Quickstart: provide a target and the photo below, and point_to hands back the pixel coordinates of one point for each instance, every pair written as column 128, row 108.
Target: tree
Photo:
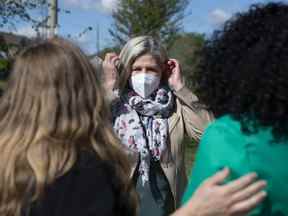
column 10, row 10
column 186, row 48
column 159, row 18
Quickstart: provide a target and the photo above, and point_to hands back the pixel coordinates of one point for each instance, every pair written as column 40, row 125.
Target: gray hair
column 133, row 49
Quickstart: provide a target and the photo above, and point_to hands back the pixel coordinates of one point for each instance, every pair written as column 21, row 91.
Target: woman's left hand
column 175, row 78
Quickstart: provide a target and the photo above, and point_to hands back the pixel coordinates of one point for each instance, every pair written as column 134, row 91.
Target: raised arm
column 195, row 115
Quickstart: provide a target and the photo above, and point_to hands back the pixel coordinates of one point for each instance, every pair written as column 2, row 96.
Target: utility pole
column 53, row 18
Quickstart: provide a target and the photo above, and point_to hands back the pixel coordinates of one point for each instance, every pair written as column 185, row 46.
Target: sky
column 202, row 16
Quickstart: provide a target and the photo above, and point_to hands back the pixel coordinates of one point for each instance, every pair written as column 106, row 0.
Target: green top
column 224, row 145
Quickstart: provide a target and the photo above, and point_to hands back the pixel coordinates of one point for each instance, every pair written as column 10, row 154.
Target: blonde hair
column 53, row 107
column 133, row 49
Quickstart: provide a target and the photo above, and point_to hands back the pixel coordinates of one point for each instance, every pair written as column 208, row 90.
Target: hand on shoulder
column 236, row 198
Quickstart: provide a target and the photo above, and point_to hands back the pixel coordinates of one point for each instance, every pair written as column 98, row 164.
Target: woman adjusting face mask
column 151, row 133
column 146, row 75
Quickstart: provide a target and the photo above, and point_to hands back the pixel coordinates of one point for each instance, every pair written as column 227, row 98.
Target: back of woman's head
column 244, row 69
column 52, row 108
column 135, row 48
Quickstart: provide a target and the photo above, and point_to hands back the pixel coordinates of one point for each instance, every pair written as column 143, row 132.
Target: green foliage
column 4, row 72
column 159, row 18
column 5, row 49
column 186, row 49
column 4, row 64
column 4, row 69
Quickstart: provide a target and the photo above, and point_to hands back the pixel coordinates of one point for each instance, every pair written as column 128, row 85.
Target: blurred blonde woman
column 152, row 114
column 59, row 155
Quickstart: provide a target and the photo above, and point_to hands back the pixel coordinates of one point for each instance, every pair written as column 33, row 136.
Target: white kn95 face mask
column 144, row 84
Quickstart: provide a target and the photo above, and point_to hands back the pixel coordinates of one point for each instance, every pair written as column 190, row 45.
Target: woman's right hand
column 110, row 74
column 237, row 198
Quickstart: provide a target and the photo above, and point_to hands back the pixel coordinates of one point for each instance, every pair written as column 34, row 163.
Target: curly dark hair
column 243, row 70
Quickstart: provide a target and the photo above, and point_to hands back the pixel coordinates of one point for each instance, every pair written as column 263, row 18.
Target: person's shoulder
column 87, row 169
column 221, row 133
column 102, row 177
column 225, row 124
column 87, row 186
column 87, row 159
column 89, row 164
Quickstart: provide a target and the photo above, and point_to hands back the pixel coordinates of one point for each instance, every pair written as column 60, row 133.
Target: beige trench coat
column 189, row 119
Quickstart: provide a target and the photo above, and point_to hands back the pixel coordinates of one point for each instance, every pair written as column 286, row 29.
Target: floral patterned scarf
column 142, row 125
